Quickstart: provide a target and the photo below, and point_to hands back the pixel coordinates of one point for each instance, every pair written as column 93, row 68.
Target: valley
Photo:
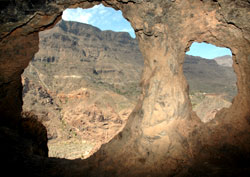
column 84, row 83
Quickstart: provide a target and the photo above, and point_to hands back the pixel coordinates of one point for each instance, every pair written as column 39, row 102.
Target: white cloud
column 66, row 15
column 105, row 18
column 85, row 18
column 126, row 30
column 77, row 15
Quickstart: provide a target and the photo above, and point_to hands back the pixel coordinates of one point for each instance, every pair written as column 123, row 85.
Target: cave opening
column 162, row 137
column 84, row 81
column 211, row 78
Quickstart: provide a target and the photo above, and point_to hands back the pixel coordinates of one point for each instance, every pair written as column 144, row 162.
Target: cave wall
column 163, row 135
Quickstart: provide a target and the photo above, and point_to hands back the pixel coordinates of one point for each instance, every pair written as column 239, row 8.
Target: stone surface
column 158, row 139
column 83, row 84
column 209, row 106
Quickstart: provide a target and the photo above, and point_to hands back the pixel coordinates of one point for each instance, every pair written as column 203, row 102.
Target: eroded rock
column 158, row 139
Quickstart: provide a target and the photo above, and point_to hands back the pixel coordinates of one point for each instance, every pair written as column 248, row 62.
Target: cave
column 83, row 82
column 163, row 136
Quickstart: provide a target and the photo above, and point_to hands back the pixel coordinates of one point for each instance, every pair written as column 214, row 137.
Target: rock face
column 90, row 57
column 162, row 136
column 209, row 106
column 83, row 84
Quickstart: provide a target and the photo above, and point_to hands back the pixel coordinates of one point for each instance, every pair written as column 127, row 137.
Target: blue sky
column 208, row 51
column 107, row 18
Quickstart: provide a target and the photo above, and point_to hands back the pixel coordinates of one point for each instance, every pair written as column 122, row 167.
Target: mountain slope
column 224, row 60
column 83, row 83
column 88, row 56
column 207, row 76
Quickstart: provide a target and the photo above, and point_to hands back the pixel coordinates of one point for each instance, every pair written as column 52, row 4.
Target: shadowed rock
column 164, row 30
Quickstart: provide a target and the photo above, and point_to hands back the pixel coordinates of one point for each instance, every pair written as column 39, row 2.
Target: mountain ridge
column 86, row 82
column 225, row 60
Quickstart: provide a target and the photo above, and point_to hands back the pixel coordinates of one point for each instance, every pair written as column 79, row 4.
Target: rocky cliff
column 83, row 84
column 162, row 136
column 85, row 81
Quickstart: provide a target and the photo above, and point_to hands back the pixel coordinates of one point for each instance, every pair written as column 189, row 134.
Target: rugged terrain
column 162, row 136
column 86, row 81
column 83, row 84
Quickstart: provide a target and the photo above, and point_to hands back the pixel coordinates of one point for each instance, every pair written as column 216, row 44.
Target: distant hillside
column 224, row 60
column 94, row 58
column 83, row 83
column 205, row 75
column 82, row 54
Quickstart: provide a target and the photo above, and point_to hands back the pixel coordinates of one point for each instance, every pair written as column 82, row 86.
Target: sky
column 107, row 18
column 207, row 51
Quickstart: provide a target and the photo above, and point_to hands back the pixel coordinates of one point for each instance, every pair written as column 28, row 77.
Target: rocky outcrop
column 83, row 80
column 162, row 137
column 209, row 106
column 75, row 55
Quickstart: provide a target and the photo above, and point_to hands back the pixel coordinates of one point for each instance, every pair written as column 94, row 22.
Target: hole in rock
column 84, row 81
column 211, row 78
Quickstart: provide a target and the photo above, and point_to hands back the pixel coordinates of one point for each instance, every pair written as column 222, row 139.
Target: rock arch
column 162, row 137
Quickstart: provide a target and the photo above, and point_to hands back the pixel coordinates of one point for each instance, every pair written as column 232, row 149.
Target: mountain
column 83, row 84
column 208, row 76
column 224, row 60
column 89, row 57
